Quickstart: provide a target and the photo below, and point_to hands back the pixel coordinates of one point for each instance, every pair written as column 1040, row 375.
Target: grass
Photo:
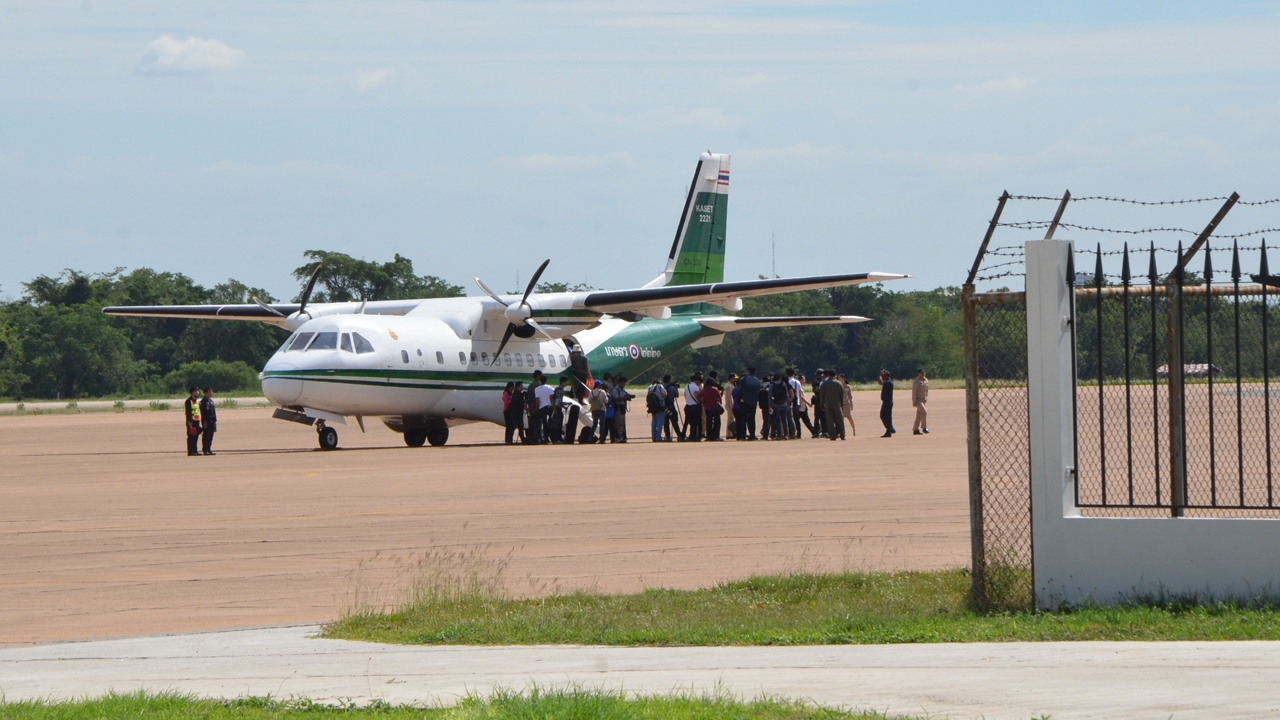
column 501, row 705
column 799, row 609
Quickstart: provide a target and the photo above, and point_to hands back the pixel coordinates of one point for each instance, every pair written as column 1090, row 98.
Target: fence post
column 1177, row 401
column 978, row 562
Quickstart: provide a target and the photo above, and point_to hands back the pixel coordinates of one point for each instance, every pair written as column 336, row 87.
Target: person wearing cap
column 208, row 421
column 919, row 396
column 581, row 372
column 831, row 392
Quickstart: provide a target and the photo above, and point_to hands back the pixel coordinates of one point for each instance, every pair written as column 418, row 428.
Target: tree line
column 56, row 343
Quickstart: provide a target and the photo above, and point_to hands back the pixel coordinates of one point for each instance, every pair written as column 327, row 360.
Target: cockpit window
column 362, row 345
column 300, row 341
column 324, row 341
column 345, row 344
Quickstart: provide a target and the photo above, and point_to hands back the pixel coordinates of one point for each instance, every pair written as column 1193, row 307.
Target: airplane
column 422, row 366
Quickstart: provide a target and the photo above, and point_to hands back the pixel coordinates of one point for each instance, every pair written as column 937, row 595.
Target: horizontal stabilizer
column 727, row 323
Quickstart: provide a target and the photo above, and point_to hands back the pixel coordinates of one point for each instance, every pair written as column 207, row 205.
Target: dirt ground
column 109, row 529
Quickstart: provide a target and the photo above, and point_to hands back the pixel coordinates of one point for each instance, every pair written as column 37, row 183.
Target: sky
column 223, row 138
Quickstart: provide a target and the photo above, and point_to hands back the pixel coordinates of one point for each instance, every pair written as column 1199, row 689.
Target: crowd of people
column 785, row 404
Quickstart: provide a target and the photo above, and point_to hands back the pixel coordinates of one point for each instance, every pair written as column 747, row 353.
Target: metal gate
column 1174, row 411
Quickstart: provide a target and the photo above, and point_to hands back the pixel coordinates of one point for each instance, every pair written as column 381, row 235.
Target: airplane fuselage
column 418, row 365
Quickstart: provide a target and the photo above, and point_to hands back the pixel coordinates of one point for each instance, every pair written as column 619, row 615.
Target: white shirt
column 797, row 388
column 544, row 393
column 689, row 393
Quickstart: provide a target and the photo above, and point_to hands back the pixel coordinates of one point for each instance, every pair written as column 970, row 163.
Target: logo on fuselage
column 632, row 351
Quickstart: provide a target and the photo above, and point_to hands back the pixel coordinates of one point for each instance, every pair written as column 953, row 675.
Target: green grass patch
column 501, row 705
column 800, row 609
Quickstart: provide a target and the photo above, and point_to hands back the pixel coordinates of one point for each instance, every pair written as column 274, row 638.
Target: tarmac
column 1017, row 681
column 110, row 530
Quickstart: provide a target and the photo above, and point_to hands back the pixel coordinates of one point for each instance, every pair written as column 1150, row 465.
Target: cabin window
column 474, row 359
column 345, row 345
column 484, row 358
column 551, row 360
column 362, row 346
column 404, row 355
column 419, row 352
column 528, row 357
column 439, row 358
column 519, row 362
column 506, row 357
column 563, row 362
column 542, row 362
column 324, row 341
column 462, row 357
column 300, row 341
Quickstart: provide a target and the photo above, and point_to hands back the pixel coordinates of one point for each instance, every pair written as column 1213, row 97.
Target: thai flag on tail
column 724, row 178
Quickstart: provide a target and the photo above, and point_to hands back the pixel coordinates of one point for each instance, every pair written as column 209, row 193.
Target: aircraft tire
column 438, row 436
column 415, row 437
column 328, row 438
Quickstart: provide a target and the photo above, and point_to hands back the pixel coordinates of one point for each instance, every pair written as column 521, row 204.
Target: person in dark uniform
column 208, row 420
column 581, row 372
column 192, row 409
column 886, row 403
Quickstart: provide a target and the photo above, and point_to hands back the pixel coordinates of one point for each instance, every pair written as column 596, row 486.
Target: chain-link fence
column 999, row 449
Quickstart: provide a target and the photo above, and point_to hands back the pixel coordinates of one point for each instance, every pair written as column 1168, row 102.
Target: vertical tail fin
column 697, row 253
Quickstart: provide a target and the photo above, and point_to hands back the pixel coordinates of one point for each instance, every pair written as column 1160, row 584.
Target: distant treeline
column 55, row 341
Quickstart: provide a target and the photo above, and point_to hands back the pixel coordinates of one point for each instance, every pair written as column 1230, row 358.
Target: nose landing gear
column 328, row 436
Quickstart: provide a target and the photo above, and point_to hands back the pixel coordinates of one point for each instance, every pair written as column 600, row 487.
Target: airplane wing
column 621, row 301
column 729, row 323
column 206, row 312
column 281, row 314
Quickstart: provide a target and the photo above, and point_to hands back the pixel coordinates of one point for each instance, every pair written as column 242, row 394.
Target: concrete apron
column 990, row 680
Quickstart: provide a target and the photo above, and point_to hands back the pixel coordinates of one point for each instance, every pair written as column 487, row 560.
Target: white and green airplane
column 425, row 365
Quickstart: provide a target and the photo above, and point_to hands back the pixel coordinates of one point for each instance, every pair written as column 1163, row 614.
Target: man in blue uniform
column 208, row 420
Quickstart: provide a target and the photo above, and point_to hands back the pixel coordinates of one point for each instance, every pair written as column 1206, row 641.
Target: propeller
column 311, row 285
column 306, row 295
column 519, row 315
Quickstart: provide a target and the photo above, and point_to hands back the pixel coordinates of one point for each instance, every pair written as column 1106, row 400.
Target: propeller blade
column 534, row 324
column 267, row 307
column 534, row 280
column 511, row 330
column 311, row 285
column 490, row 293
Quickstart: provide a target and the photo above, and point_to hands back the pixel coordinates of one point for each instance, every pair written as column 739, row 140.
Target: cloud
column 374, row 79
column 167, row 55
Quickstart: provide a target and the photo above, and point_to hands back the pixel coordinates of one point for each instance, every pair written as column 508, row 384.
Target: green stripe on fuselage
column 654, row 340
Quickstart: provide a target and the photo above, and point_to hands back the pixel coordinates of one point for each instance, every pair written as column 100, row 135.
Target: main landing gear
column 416, row 437
column 328, row 436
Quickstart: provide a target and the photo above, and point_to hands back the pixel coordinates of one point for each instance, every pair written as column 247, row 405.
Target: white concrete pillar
column 1050, row 385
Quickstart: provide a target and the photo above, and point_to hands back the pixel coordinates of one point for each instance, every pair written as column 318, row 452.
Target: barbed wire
column 997, row 276
column 1128, row 201
column 1042, row 224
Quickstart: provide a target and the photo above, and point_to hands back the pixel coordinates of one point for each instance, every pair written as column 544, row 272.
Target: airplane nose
column 279, row 385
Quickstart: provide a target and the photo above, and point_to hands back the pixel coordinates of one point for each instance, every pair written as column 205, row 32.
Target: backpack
column 653, row 401
column 778, row 393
